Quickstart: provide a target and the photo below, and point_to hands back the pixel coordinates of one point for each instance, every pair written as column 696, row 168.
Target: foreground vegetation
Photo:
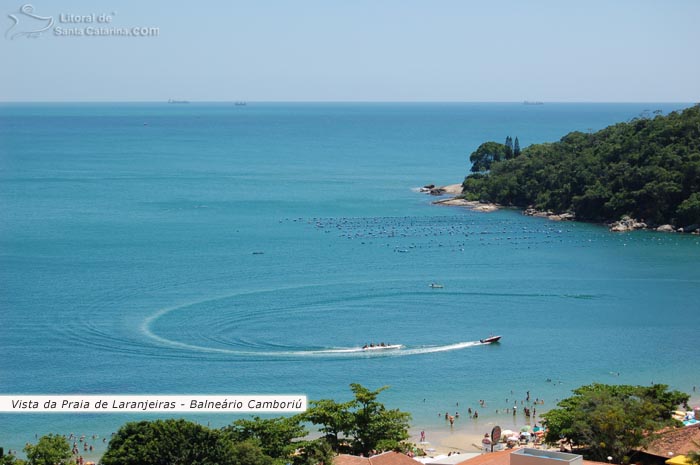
column 613, row 420
column 599, row 421
column 648, row 168
column 361, row 426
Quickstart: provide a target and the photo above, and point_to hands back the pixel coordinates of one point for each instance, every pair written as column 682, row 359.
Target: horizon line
column 353, row 101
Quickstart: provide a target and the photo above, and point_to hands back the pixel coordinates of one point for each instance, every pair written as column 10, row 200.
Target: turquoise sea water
column 213, row 248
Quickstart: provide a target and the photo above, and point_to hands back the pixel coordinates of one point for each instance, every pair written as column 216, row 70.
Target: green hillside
column 647, row 168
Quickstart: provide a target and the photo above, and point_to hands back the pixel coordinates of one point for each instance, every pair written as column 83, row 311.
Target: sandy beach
column 465, row 434
column 445, row 441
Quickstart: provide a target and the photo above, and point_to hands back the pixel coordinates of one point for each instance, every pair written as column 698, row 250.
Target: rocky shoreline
column 457, row 201
column 627, row 223
column 470, row 204
column 624, row 224
column 549, row 215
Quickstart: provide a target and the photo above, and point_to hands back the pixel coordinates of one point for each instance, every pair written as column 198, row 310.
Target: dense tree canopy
column 648, row 168
column 276, row 436
column 164, row 442
column 10, row 459
column 360, row 425
column 487, row 154
column 335, row 419
column 49, row 450
column 282, row 439
column 612, row 420
column 316, row 452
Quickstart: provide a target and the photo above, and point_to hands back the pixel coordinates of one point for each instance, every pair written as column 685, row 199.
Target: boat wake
column 224, row 328
column 350, row 352
column 403, row 350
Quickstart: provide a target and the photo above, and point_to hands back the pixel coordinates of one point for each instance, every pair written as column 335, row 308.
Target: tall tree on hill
column 516, row 148
column 509, row 148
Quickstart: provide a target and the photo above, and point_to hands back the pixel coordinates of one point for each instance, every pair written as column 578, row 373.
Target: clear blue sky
column 358, row 50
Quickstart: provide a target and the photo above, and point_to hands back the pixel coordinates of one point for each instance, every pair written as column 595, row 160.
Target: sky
column 352, row 50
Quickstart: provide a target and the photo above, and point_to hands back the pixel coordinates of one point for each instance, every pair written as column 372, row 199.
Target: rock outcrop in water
column 666, row 228
column 568, row 216
column 625, row 224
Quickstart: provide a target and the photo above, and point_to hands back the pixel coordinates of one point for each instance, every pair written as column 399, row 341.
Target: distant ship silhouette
column 26, row 23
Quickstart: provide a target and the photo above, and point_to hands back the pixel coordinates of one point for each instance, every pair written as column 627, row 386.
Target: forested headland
column 647, row 168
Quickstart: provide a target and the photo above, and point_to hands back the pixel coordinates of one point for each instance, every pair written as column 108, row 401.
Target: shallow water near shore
column 213, row 248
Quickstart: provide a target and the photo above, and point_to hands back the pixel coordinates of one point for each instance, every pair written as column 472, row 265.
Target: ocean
column 154, row 248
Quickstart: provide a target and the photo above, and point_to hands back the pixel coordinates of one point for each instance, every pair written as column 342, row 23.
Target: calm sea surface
column 213, row 248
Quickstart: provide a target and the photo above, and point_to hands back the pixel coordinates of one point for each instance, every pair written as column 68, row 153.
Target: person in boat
column 364, row 346
column 383, row 345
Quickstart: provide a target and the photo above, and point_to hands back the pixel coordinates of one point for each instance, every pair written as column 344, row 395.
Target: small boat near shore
column 490, row 339
column 381, row 346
